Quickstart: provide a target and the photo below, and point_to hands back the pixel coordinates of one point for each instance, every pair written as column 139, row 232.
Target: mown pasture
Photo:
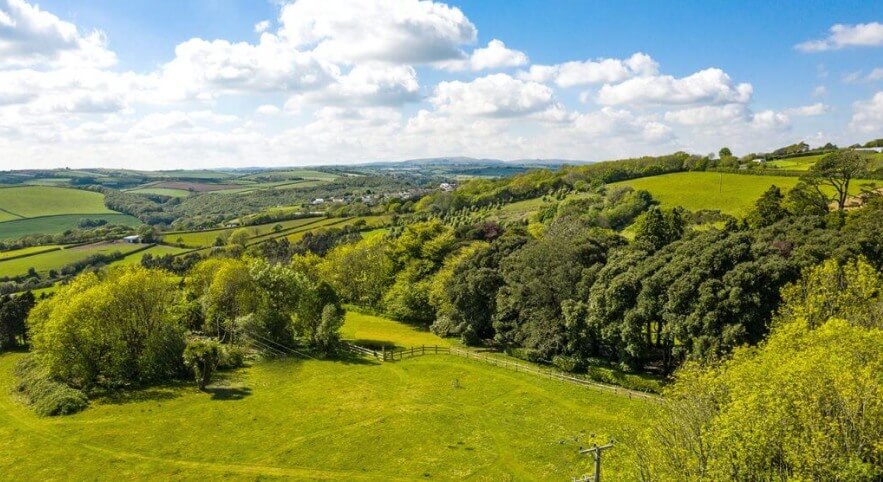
column 29, row 251
column 34, row 201
column 58, row 259
column 733, row 194
column 58, row 224
column 433, row 417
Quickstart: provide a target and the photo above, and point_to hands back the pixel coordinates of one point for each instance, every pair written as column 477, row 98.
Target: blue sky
column 204, row 83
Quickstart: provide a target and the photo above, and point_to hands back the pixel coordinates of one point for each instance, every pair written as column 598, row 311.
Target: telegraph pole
column 596, row 451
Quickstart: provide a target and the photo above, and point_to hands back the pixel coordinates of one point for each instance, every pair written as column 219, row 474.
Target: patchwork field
column 29, row 251
column 207, row 238
column 431, row 417
column 57, row 259
column 733, row 194
column 28, row 210
column 34, row 201
column 58, row 224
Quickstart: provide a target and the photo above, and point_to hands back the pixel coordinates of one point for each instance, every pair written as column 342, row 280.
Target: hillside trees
column 806, row 404
column 539, row 278
column 13, row 313
column 837, row 170
column 118, row 327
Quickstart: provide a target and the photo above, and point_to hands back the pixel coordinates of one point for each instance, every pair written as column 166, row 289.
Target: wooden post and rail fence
column 392, row 355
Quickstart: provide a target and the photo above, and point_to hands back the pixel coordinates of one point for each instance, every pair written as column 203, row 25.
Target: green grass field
column 328, row 420
column 158, row 250
column 160, row 191
column 57, row 224
column 730, row 193
column 34, row 201
column 29, row 251
column 59, row 258
column 308, row 174
column 796, row 163
column 361, row 328
column 207, row 238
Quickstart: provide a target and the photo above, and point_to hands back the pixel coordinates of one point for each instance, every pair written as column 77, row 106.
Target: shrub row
column 47, row 396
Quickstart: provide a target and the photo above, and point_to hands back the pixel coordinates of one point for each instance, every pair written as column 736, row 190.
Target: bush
column 232, row 356
column 45, row 395
column 526, row 354
column 570, row 364
column 641, row 383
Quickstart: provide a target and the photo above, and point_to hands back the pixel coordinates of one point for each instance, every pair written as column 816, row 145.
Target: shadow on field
column 228, row 393
column 375, row 344
column 149, row 394
column 348, row 358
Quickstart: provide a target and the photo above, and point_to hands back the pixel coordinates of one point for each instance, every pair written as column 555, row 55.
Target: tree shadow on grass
column 349, row 358
column 169, row 391
column 228, row 393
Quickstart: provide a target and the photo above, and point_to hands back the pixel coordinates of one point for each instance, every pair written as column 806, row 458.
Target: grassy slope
column 207, row 238
column 730, row 193
column 160, row 191
column 58, row 259
column 32, row 250
column 327, row 420
column 57, row 224
column 33, row 201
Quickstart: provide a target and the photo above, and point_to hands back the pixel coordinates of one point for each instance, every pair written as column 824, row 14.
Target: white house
column 133, row 239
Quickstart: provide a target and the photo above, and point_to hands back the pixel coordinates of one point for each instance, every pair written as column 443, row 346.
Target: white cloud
column 820, row 91
column 495, row 56
column 809, row 110
column 570, row 74
column 770, row 120
column 398, row 31
column 497, row 95
column 711, row 86
column 859, row 76
column 867, row 116
column 708, row 115
column 267, row 110
column 202, row 69
column 262, row 26
column 29, row 36
column 841, row 36
column 620, row 123
column 365, row 85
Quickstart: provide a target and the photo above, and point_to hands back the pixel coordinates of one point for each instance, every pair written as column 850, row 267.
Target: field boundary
column 34, row 253
column 385, row 355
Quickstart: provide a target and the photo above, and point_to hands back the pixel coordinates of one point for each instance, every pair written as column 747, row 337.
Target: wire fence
column 385, row 355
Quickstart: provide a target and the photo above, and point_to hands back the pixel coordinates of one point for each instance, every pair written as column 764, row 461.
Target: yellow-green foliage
column 852, row 291
column 359, row 272
column 119, row 326
column 807, row 404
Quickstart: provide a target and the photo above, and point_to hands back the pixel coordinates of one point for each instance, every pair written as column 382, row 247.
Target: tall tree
column 837, row 170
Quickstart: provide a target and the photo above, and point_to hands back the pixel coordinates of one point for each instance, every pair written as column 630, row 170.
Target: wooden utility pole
column 596, row 451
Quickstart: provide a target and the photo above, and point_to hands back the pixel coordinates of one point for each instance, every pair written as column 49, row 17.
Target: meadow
column 733, row 194
column 207, row 237
column 57, row 259
column 34, row 201
column 432, row 417
column 29, row 251
column 58, row 224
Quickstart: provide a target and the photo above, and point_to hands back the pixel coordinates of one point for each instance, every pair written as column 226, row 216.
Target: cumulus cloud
column 29, row 36
column 365, row 85
column 495, row 56
column 497, row 95
column 570, row 74
column 397, row 31
column 842, row 36
column 867, row 116
column 262, row 26
column 708, row 114
column 809, row 110
column 203, row 68
column 711, row 86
